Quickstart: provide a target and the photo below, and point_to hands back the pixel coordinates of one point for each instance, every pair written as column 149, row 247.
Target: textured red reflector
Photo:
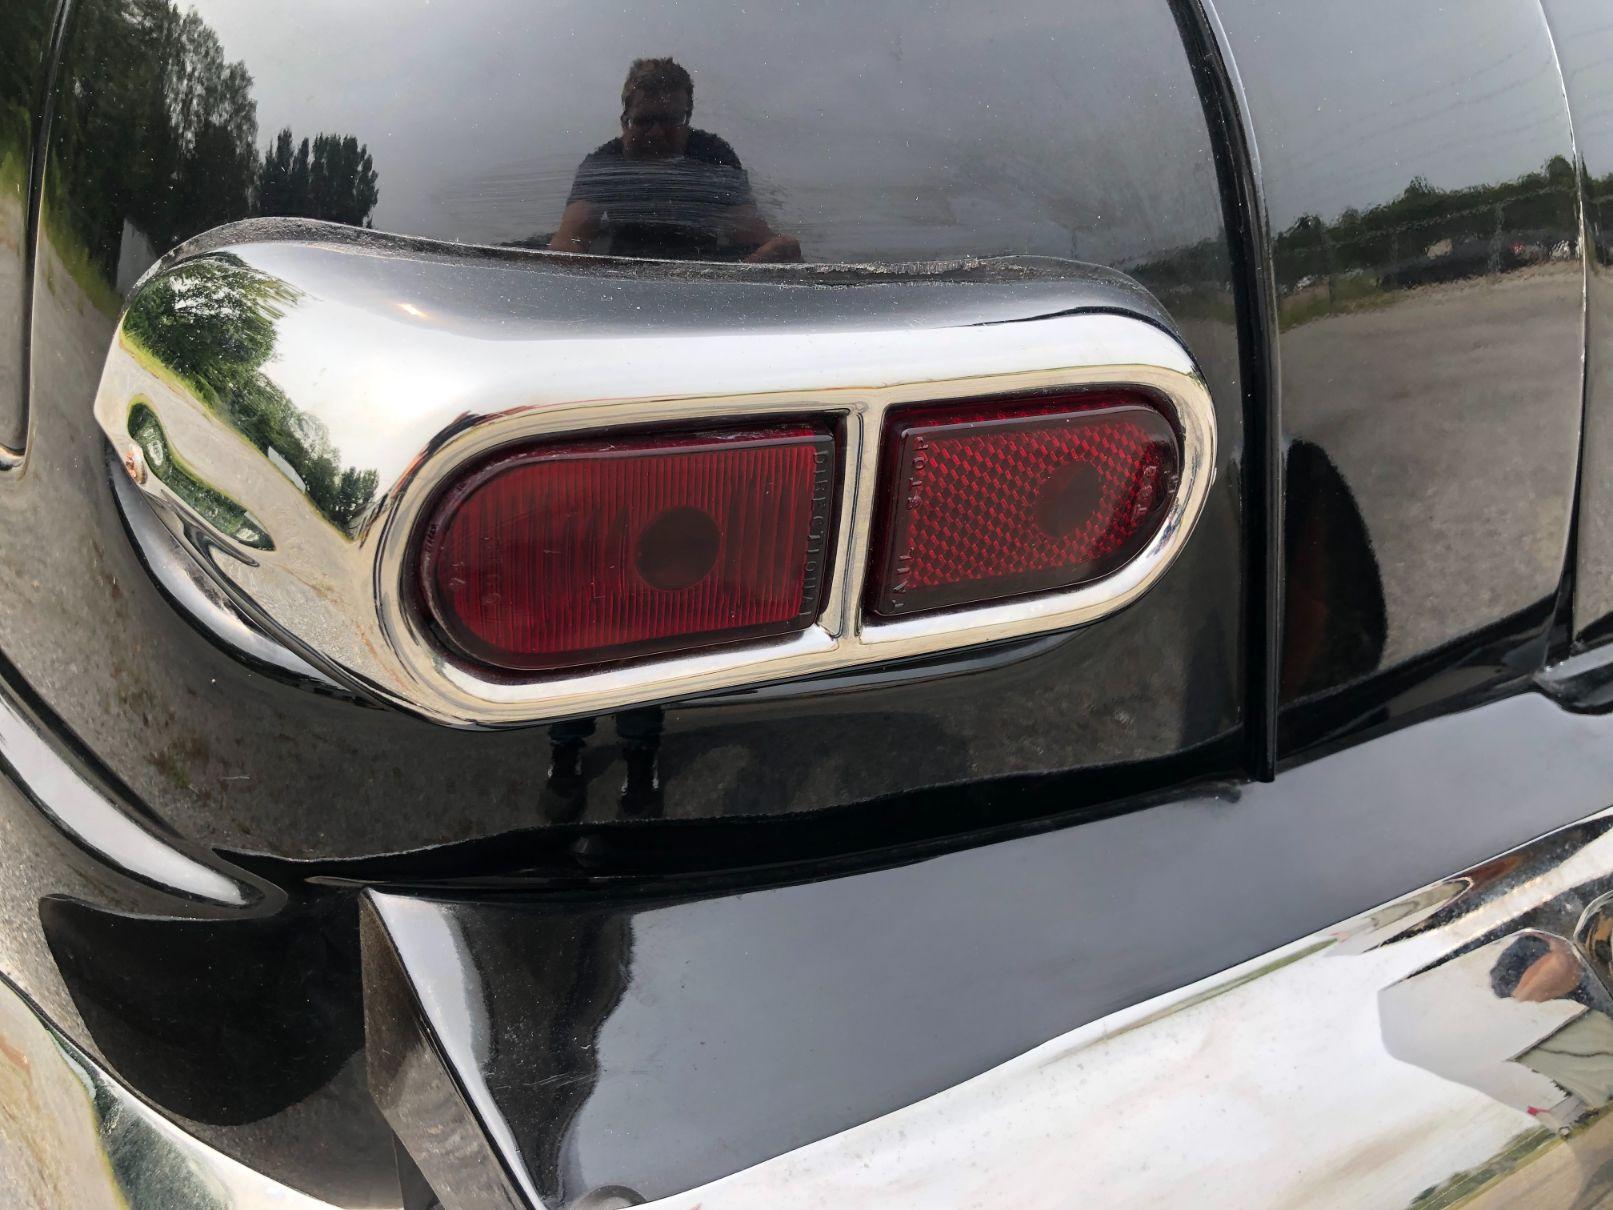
column 560, row 555
column 990, row 500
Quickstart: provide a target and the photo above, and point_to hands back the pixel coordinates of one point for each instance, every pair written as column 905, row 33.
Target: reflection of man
column 1578, row 1056
column 664, row 189
column 566, row 791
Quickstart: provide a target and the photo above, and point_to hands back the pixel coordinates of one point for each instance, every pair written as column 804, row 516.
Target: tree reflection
column 1422, row 236
column 160, row 142
column 333, row 179
column 21, row 51
column 212, row 325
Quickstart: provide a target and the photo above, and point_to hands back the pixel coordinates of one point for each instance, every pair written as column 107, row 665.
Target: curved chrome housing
column 368, row 370
column 195, row 593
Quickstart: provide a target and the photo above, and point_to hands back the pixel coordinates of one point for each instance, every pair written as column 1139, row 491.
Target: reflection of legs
column 640, row 733
column 565, row 793
column 1578, row 1058
column 571, row 731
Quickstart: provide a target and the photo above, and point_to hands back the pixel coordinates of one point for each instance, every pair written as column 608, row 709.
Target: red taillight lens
column 560, row 555
column 994, row 499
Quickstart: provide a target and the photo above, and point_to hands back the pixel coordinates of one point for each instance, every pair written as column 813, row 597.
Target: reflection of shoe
column 565, row 791
column 641, row 790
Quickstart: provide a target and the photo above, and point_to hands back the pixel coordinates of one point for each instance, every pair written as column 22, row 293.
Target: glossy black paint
column 1417, row 166
column 1226, row 109
column 25, row 60
column 669, row 1041
column 238, row 1019
column 189, row 969
column 244, row 762
column 810, row 938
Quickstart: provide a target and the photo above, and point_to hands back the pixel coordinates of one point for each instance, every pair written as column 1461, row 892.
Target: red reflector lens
column 559, row 555
column 990, row 500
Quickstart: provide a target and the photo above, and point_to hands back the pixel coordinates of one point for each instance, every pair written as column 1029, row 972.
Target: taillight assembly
column 567, row 554
column 995, row 499
column 571, row 553
column 803, row 477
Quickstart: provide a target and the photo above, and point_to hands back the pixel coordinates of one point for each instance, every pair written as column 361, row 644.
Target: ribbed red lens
column 994, row 499
column 560, row 555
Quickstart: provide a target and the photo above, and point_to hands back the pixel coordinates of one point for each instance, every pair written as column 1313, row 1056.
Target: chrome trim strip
column 1455, row 1044
column 194, row 591
column 395, row 364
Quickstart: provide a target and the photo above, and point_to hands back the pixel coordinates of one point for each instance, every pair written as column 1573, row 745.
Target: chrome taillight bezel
column 491, row 351
column 844, row 635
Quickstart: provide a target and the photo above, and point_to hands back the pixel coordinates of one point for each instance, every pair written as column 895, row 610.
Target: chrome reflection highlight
column 152, row 455
column 321, row 384
column 194, row 592
column 98, row 819
column 1456, row 1044
column 71, row 1135
column 1522, row 1019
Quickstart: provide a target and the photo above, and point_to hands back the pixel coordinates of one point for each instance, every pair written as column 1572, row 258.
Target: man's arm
column 749, row 227
column 579, row 224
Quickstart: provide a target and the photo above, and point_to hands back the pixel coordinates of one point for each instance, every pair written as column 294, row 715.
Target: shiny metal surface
column 72, row 1135
column 192, row 590
column 1336, row 1070
column 754, row 1022
column 96, row 817
column 394, row 366
column 1584, row 41
column 1451, row 1047
column 1523, row 1019
column 1226, row 103
column 437, row 1103
column 757, row 1017
column 1420, row 180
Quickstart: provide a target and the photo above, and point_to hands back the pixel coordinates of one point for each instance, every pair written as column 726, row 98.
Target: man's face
column 656, row 125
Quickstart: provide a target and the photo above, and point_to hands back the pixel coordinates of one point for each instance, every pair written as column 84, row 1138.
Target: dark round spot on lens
column 677, row 549
column 1068, row 498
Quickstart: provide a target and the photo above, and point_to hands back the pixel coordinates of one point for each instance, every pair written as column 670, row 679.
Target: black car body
column 1038, row 904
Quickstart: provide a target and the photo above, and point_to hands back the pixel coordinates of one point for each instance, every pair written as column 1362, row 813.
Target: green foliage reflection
column 157, row 130
column 218, row 509
column 332, row 179
column 211, row 324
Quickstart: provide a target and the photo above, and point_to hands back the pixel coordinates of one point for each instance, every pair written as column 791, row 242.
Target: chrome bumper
column 1455, row 1046
column 72, row 1136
